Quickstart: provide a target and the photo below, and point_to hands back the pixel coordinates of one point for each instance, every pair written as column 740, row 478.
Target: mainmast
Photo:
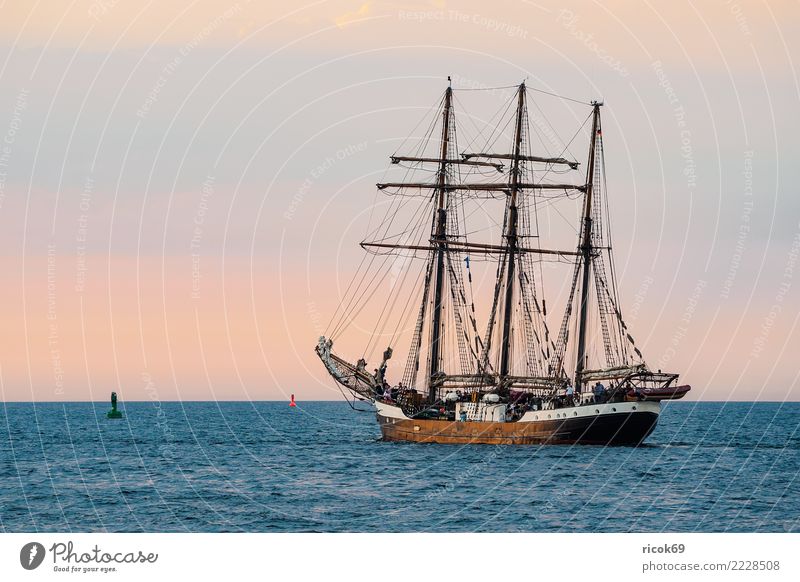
column 511, row 237
column 585, row 249
column 440, row 244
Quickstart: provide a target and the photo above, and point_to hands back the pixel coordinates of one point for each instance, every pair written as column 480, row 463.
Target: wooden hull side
column 629, row 428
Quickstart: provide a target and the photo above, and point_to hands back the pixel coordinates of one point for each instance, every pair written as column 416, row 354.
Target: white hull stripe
column 587, row 410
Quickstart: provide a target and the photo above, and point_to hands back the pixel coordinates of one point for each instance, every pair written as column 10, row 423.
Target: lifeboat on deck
column 659, row 393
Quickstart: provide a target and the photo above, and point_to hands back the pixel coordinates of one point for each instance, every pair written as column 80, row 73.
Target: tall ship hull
column 513, row 381
column 625, row 423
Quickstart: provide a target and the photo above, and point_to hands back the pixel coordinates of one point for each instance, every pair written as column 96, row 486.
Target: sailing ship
column 512, row 381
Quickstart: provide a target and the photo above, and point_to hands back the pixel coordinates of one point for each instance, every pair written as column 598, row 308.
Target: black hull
column 611, row 429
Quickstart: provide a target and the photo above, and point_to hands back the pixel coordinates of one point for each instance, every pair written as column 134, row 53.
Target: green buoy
column 114, row 413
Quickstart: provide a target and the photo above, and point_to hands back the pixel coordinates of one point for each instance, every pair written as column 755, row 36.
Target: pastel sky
column 165, row 231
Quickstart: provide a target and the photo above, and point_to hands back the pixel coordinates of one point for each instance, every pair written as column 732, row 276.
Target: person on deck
column 570, row 395
column 599, row 393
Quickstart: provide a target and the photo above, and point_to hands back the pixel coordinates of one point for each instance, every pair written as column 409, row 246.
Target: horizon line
column 332, row 400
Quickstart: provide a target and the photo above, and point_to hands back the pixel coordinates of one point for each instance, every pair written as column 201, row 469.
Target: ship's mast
column 440, row 243
column 511, row 237
column 585, row 249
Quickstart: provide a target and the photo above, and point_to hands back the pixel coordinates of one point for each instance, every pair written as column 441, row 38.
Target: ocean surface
column 264, row 467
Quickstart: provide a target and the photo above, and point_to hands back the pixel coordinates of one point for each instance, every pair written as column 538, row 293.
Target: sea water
column 321, row 467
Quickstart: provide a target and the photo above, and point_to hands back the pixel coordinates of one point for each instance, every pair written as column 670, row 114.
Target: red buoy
column 292, row 402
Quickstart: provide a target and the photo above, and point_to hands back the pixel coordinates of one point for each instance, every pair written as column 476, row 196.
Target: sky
column 183, row 185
